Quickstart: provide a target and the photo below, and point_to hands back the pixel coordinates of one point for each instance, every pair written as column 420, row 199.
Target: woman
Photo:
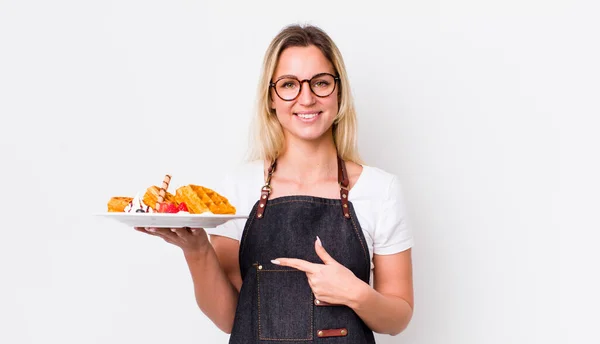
column 326, row 251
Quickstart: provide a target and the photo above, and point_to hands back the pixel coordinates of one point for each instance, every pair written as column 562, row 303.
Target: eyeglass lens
column 289, row 88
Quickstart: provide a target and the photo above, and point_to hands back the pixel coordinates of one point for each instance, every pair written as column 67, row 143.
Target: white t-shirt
column 376, row 196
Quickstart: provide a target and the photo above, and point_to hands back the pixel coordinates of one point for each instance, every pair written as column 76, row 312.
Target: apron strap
column 342, row 180
column 265, row 191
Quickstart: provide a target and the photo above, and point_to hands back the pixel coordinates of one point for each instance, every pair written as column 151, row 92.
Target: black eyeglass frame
column 336, row 79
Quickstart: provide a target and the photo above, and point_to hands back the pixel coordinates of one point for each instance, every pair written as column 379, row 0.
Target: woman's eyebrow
column 295, row 77
column 286, row 76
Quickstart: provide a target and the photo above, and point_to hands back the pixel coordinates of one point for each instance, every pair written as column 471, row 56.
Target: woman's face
column 307, row 117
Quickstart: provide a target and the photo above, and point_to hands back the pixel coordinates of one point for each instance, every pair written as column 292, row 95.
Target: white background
column 487, row 110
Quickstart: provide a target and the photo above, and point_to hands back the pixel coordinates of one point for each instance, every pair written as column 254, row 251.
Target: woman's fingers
column 147, row 230
column 186, row 238
column 165, row 232
column 182, row 232
column 196, row 231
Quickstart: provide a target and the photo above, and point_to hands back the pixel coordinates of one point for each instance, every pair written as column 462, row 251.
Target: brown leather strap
column 342, row 173
column 334, row 332
column 344, row 182
column 265, row 191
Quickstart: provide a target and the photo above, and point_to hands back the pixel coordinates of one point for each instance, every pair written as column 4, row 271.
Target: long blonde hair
column 267, row 141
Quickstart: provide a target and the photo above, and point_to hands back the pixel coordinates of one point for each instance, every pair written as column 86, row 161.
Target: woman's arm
column 388, row 306
column 217, row 280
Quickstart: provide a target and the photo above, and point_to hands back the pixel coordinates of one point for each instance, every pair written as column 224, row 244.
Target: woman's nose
column 306, row 96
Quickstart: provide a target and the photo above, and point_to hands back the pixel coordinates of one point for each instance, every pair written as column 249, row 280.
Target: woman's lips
column 307, row 116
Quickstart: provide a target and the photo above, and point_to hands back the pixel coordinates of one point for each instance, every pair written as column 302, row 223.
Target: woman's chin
column 311, row 135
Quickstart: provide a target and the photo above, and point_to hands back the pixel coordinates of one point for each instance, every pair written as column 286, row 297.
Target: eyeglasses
column 288, row 87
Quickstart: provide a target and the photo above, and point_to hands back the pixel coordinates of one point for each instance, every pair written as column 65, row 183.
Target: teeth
column 307, row 115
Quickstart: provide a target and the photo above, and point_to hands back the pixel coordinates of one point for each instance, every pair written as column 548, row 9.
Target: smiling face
column 308, row 117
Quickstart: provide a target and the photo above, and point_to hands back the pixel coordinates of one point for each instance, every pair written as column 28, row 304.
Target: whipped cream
column 136, row 204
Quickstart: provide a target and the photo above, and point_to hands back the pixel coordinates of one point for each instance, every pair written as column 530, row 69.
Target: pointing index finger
column 299, row 264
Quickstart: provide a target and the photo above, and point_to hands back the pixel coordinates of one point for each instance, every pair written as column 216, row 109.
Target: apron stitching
column 287, row 340
column 325, row 202
column 273, row 270
column 312, row 307
column 258, row 295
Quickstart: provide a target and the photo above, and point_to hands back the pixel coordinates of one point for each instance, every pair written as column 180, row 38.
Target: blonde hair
column 267, row 141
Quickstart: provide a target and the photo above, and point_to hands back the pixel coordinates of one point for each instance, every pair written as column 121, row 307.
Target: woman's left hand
column 331, row 282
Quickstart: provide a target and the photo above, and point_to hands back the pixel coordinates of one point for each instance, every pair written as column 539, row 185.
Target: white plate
column 166, row 220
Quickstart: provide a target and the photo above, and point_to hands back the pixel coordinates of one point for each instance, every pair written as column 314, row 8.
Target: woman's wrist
column 358, row 293
column 198, row 253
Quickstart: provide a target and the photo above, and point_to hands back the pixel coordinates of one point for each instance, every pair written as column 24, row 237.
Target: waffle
column 200, row 199
column 151, row 196
column 118, row 204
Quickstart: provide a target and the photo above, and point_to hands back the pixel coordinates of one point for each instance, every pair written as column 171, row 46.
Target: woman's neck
column 306, row 161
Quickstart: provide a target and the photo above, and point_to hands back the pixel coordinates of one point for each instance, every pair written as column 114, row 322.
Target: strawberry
column 172, row 208
column 183, row 207
column 167, row 207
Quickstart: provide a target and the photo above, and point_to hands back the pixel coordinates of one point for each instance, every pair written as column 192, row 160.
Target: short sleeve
column 393, row 233
column 228, row 188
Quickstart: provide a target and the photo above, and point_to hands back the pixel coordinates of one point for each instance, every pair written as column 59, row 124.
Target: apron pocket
column 285, row 310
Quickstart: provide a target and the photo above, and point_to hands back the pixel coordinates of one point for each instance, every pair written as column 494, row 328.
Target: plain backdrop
column 487, row 110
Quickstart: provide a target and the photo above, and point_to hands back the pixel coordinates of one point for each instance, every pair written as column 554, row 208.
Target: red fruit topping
column 167, row 207
column 172, row 208
column 183, row 207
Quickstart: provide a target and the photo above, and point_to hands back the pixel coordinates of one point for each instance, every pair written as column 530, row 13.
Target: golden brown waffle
column 118, row 204
column 151, row 196
column 200, row 199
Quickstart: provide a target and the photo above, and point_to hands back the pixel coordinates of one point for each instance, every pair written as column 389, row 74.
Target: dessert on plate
column 192, row 199
column 200, row 199
column 118, row 204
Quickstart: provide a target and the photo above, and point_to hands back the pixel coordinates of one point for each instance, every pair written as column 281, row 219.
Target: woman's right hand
column 190, row 240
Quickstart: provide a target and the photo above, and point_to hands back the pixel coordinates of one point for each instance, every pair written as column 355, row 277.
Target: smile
column 307, row 116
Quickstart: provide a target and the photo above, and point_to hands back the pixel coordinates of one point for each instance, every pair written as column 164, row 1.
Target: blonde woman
column 326, row 251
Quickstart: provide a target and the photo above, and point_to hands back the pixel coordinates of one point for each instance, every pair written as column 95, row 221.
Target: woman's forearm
column 215, row 295
column 382, row 313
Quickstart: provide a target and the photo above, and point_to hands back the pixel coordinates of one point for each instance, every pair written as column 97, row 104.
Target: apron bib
column 276, row 303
